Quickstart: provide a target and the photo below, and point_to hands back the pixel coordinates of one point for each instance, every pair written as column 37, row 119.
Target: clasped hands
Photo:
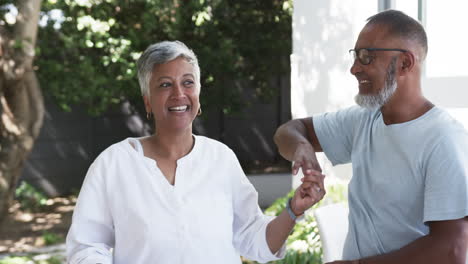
column 312, row 188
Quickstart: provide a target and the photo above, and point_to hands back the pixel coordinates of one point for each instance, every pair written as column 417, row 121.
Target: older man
column 408, row 196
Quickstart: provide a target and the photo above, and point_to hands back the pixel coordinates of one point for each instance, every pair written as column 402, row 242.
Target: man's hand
column 305, row 158
column 308, row 193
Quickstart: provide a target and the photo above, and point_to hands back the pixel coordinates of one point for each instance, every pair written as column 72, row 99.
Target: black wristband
column 290, row 212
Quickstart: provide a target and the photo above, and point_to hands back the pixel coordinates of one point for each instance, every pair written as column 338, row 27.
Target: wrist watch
column 293, row 216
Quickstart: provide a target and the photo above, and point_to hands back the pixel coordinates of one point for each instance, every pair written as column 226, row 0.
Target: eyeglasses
column 364, row 57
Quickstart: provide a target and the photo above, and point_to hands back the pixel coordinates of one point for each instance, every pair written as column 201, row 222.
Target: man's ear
column 408, row 62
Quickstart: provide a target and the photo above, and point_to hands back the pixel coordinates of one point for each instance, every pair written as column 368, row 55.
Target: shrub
column 29, row 197
column 303, row 245
column 51, row 238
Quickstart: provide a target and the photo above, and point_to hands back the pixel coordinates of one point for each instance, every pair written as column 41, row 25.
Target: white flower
column 299, row 246
column 10, row 18
column 85, row 3
column 95, row 25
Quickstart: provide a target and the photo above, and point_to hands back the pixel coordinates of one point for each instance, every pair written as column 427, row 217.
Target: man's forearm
column 288, row 136
column 425, row 250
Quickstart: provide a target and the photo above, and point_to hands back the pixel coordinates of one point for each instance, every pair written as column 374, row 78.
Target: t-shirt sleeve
column 446, row 182
column 335, row 133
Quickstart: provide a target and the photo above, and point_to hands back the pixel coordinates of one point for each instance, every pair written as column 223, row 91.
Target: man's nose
column 356, row 67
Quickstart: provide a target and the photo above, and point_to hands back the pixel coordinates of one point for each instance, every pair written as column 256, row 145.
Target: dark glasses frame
column 364, row 57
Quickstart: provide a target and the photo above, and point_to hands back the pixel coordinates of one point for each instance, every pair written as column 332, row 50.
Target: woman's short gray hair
column 160, row 53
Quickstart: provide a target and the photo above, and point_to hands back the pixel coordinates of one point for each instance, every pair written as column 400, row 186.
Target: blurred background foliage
column 29, row 198
column 87, row 49
column 303, row 245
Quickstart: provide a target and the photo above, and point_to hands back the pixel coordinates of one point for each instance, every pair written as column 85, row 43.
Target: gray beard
column 376, row 101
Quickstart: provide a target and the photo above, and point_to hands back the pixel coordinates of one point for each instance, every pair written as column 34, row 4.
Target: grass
column 34, row 259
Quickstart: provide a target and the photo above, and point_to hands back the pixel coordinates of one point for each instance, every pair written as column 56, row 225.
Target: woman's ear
column 147, row 103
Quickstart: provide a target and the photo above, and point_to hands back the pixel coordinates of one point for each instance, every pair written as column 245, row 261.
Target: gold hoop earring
column 199, row 112
column 149, row 115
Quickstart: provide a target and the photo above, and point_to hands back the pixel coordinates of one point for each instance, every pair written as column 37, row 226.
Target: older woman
column 175, row 197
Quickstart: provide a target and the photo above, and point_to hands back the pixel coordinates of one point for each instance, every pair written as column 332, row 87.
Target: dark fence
column 70, row 141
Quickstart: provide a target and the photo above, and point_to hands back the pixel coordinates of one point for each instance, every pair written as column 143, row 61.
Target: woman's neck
column 171, row 146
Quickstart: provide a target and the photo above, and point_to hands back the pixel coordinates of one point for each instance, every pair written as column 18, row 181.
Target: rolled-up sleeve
column 250, row 223
column 91, row 235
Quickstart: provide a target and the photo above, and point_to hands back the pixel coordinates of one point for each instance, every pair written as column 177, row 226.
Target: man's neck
column 404, row 108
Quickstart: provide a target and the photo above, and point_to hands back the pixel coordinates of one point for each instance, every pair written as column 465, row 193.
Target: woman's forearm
column 278, row 231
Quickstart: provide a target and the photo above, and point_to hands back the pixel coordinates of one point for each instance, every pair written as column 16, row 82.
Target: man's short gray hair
column 160, row 53
column 401, row 25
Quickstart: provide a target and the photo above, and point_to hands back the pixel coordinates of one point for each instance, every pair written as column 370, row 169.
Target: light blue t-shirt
column 404, row 175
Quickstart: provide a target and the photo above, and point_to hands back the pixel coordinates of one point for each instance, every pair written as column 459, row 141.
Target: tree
column 21, row 103
column 100, row 40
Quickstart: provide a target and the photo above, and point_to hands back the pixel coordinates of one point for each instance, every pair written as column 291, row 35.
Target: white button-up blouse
column 128, row 213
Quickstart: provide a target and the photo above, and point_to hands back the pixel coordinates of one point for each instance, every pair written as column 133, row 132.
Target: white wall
column 323, row 32
column 270, row 187
column 445, row 80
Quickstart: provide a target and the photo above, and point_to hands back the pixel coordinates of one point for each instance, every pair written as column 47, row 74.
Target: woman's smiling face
column 173, row 95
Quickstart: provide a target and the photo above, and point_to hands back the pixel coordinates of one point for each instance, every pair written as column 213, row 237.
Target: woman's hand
column 309, row 192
